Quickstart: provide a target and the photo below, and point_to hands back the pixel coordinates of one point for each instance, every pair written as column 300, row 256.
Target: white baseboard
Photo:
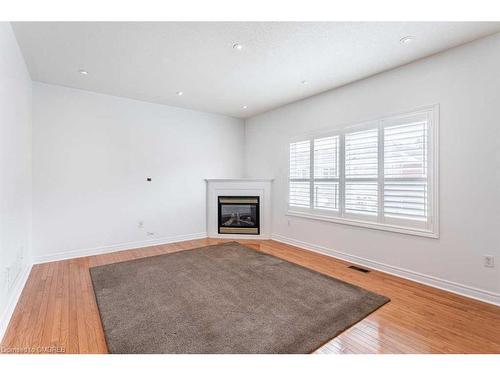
column 117, row 247
column 450, row 286
column 16, row 291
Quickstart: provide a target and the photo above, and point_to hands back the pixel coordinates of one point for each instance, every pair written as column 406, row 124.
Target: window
column 380, row 174
column 361, row 172
column 300, row 153
column 405, row 170
column 326, row 174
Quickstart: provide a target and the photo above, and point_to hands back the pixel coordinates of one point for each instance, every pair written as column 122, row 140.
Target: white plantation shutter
column 300, row 174
column 406, row 200
column 361, row 159
column 361, row 172
column 361, row 198
column 326, row 173
column 379, row 176
column 299, row 193
column 405, row 170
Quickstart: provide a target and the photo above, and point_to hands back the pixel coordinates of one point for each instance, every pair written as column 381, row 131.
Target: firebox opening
column 239, row 215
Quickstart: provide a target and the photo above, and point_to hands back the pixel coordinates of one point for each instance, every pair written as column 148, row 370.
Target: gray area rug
column 223, row 299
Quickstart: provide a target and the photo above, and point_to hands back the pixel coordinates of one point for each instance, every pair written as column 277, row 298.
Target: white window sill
column 365, row 224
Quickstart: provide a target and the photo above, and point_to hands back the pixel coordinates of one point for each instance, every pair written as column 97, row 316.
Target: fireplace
column 238, row 215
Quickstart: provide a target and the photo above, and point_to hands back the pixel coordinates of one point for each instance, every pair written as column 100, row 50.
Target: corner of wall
column 17, row 121
column 245, row 171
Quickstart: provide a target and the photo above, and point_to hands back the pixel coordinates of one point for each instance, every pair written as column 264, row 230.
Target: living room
column 250, row 187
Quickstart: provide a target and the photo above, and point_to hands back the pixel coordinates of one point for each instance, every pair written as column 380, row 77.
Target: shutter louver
column 300, row 167
column 405, row 199
column 405, row 171
column 326, row 174
column 361, row 150
column 361, row 172
column 326, row 154
column 299, row 193
column 361, row 197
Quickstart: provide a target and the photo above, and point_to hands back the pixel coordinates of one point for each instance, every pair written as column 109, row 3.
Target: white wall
column 466, row 83
column 15, row 171
column 92, row 154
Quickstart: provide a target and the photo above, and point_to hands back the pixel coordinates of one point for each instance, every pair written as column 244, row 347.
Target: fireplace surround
column 243, row 188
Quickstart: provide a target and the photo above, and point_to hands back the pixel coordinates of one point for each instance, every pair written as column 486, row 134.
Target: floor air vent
column 356, row 268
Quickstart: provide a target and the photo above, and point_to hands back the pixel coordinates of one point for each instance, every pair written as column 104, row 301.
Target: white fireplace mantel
column 260, row 187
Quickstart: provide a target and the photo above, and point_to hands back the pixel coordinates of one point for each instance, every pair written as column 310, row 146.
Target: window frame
column 429, row 228
column 297, row 179
column 314, row 179
column 368, row 125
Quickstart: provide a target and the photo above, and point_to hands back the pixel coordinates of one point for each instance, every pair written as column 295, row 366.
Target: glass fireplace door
column 238, row 215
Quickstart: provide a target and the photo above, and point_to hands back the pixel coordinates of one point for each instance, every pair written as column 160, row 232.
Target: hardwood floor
column 57, row 308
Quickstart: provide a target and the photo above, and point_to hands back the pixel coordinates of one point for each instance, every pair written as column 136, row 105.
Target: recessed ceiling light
column 237, row 46
column 304, row 82
column 179, row 93
column 83, row 72
column 245, row 107
column 406, row 39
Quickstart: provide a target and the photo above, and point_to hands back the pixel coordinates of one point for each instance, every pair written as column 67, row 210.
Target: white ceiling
column 151, row 61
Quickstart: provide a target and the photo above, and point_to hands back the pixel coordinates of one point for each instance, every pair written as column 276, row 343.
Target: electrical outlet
column 140, row 224
column 489, row 261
